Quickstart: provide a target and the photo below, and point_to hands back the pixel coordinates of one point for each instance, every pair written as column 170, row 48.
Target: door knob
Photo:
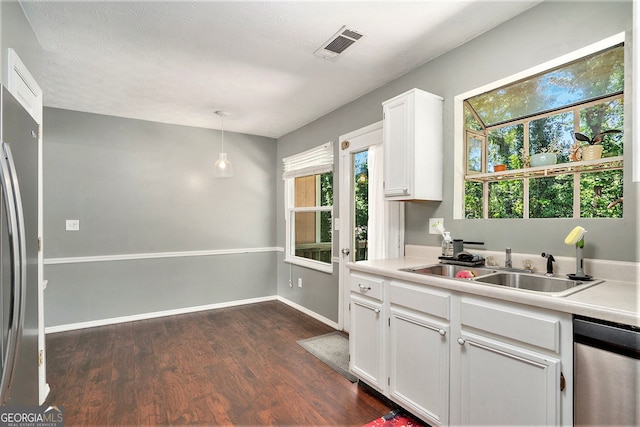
column 345, row 251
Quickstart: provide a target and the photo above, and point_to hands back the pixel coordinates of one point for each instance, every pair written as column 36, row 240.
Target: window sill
column 308, row 263
column 607, row 163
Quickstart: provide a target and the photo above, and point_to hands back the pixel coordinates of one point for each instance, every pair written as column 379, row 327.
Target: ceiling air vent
column 338, row 43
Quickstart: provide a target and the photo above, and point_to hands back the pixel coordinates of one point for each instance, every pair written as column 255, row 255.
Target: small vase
column 591, row 152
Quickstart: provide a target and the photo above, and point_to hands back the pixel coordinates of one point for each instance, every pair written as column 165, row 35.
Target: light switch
column 73, row 225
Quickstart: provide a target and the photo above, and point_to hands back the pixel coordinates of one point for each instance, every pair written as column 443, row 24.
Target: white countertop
column 611, row 300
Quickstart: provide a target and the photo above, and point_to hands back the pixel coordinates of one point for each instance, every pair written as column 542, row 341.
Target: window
column 308, row 179
column 522, row 159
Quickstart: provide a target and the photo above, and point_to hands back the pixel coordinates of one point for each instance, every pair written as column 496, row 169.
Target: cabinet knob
column 363, row 287
column 377, row 311
column 442, row 332
column 405, row 190
column 461, row 341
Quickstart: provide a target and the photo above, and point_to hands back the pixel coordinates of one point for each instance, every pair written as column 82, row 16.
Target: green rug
column 333, row 350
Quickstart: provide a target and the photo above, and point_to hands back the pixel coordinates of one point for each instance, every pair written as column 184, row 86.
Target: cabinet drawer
column 418, row 298
column 527, row 326
column 367, row 285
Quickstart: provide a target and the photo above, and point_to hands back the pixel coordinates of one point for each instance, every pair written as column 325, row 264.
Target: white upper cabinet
column 413, row 146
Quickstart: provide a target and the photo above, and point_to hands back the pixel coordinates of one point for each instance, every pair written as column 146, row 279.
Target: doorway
column 369, row 227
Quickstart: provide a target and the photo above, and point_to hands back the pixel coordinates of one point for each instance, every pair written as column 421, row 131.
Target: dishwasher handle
column 617, row 338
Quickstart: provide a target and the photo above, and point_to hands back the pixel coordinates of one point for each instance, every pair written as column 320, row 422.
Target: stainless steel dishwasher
column 606, row 373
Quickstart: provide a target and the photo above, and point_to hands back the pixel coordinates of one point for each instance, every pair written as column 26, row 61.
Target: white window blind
column 317, row 160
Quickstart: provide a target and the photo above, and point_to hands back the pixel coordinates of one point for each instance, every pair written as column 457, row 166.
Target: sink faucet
column 550, row 261
column 507, row 260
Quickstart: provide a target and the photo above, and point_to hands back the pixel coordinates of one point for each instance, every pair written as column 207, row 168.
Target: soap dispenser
column 447, row 245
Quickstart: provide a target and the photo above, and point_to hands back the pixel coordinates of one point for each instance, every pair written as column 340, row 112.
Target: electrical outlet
column 72, row 225
column 433, row 225
column 299, row 282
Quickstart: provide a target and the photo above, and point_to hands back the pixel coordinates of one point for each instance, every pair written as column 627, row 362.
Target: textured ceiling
column 179, row 62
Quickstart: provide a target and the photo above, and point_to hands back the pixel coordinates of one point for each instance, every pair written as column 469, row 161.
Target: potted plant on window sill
column 593, row 148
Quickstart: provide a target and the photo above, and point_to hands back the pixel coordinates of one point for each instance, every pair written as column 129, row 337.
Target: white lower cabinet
column 510, row 368
column 456, row 359
column 504, row 385
column 367, row 335
column 419, row 350
column 419, row 366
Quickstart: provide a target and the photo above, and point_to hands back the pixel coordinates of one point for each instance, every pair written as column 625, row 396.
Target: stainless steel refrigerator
column 19, row 253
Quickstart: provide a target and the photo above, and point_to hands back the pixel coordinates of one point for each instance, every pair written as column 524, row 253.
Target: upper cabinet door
column 412, row 127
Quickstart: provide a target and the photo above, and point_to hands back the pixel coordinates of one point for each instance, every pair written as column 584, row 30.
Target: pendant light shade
column 222, row 167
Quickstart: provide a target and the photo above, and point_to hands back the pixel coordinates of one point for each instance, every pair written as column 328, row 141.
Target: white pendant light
column 223, row 167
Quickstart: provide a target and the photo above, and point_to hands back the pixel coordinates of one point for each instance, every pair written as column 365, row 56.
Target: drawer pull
column 363, row 287
column 461, row 341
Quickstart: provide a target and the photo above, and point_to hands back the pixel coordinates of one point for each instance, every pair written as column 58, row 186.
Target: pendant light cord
column 222, row 134
column 222, row 114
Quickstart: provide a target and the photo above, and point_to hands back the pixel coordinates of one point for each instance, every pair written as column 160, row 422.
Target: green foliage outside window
column 472, row 200
column 504, row 146
column 554, row 131
column 361, row 190
column 597, row 191
column 326, row 199
column 506, row 199
column 551, row 197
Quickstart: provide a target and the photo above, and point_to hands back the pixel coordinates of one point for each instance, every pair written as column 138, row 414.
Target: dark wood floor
column 232, row 366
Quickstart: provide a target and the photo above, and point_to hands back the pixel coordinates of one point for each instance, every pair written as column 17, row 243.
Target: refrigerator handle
column 17, row 244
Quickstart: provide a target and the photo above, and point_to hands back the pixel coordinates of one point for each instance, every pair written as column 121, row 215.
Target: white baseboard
column 309, row 313
column 153, row 315
column 156, row 314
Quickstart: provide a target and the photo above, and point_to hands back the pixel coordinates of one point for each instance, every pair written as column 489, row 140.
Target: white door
column 361, row 200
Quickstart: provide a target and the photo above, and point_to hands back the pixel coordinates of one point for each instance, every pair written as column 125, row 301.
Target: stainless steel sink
column 449, row 270
column 555, row 286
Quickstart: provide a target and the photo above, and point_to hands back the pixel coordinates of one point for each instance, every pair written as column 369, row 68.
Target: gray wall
column 141, row 187
column 545, row 32
column 16, row 33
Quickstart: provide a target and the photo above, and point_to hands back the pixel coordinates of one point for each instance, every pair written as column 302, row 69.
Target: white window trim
column 315, row 161
column 459, row 166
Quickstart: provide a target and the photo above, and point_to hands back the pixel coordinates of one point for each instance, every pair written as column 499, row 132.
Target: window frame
column 460, row 134
column 316, row 161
